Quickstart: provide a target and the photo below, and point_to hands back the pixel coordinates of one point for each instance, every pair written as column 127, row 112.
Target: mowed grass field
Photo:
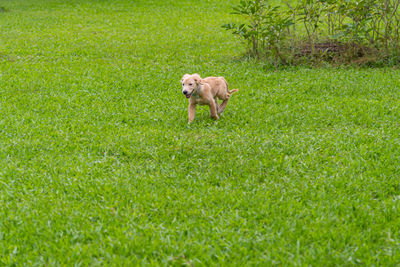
column 98, row 165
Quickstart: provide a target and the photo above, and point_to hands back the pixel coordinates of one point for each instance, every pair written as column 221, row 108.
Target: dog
column 206, row 92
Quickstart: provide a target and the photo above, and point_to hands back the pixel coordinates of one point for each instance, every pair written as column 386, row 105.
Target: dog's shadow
column 203, row 119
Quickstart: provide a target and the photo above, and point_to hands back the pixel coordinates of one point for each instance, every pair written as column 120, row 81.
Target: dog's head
column 190, row 83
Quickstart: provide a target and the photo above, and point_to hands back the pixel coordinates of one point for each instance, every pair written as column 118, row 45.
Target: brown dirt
column 336, row 52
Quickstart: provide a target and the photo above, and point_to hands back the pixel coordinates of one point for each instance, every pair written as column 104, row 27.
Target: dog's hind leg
column 225, row 101
column 223, row 106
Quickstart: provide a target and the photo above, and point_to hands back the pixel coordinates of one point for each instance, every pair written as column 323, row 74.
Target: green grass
column 99, row 166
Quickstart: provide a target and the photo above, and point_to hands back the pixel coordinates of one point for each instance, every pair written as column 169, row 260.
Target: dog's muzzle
column 186, row 93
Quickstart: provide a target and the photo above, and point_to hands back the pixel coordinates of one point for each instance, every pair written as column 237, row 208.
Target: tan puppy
column 206, row 92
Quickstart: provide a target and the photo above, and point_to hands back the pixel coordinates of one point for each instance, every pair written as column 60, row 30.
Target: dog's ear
column 184, row 77
column 197, row 78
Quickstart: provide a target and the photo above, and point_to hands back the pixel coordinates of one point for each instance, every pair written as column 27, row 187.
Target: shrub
column 359, row 25
column 263, row 29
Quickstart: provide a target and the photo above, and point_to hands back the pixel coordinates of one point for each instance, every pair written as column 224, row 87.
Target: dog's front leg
column 192, row 111
column 217, row 105
column 213, row 110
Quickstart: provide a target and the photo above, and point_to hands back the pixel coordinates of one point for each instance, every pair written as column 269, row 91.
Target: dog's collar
column 198, row 92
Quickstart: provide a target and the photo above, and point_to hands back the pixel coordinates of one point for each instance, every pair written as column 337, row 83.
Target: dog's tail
column 230, row 91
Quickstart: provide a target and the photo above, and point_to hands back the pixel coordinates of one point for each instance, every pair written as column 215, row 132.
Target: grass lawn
column 98, row 165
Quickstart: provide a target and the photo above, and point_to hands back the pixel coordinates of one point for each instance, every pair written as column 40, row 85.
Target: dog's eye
column 190, row 84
